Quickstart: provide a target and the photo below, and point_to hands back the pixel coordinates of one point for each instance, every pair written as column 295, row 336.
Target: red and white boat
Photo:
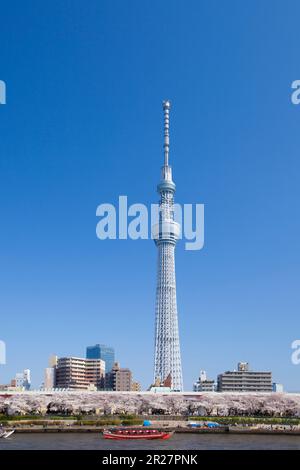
column 135, row 433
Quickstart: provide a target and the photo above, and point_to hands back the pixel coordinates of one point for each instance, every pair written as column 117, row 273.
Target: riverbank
column 178, row 424
column 178, row 430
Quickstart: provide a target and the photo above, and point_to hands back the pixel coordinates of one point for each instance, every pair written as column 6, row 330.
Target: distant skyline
column 82, row 124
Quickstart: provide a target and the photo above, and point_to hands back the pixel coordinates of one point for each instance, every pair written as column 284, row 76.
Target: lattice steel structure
column 167, row 360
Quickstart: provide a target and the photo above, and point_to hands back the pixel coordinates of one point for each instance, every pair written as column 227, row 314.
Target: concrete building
column 119, row 379
column 243, row 366
column 101, row 351
column 22, row 380
column 50, row 373
column 245, row 380
column 52, row 361
column 77, row 373
column 159, row 386
column 136, row 387
column 160, row 389
column 277, row 388
column 49, row 380
column 203, row 384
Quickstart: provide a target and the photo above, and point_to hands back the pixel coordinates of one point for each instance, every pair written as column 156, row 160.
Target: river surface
column 95, row 441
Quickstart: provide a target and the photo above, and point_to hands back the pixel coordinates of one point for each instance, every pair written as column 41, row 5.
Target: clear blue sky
column 83, row 124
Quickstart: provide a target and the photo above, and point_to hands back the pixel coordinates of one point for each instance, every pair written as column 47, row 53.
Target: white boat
column 6, row 434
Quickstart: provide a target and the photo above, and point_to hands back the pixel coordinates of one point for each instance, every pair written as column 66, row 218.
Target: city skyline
column 81, row 126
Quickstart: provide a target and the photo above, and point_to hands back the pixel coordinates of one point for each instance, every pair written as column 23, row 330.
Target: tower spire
column 166, row 108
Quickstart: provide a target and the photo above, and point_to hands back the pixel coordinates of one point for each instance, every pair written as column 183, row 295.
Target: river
column 95, row 441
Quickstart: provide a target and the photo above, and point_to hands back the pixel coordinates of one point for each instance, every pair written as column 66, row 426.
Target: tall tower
column 167, row 359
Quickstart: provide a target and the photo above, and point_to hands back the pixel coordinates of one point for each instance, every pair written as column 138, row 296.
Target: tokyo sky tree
column 167, row 360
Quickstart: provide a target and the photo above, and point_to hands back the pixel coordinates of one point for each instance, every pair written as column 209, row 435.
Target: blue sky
column 83, row 125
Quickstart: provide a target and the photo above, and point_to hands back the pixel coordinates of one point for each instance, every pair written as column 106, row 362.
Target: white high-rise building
column 203, row 384
column 49, row 382
column 167, row 361
column 23, row 380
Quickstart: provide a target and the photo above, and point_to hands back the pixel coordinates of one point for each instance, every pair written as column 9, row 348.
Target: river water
column 95, row 441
